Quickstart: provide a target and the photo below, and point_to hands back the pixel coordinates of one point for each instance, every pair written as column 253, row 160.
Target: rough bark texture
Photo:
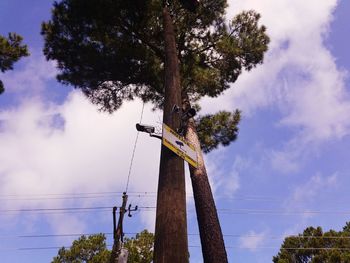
column 213, row 246
column 171, row 245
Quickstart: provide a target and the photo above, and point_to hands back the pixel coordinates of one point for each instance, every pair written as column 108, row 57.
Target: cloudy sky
column 288, row 169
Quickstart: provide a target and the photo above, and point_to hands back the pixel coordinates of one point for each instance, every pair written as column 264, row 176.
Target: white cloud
column 252, row 240
column 307, row 195
column 73, row 148
column 87, row 147
column 285, row 162
column 224, row 179
column 30, row 76
column 309, row 190
column 299, row 77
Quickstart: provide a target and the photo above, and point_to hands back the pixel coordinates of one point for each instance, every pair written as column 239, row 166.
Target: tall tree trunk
column 213, row 246
column 171, row 245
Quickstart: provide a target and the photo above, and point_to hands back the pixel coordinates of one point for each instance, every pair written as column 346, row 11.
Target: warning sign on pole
column 178, row 145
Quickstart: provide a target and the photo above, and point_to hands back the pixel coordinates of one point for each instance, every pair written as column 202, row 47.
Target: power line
column 44, row 195
column 133, row 151
column 283, row 248
column 65, row 209
column 152, row 208
column 76, row 194
column 280, row 212
column 190, row 234
column 72, row 197
column 55, row 209
column 96, row 195
column 191, row 246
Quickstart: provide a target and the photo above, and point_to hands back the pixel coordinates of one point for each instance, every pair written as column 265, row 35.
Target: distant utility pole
column 118, row 230
column 171, row 245
column 120, row 255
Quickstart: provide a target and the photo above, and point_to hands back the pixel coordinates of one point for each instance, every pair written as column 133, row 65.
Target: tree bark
column 171, row 245
column 213, row 246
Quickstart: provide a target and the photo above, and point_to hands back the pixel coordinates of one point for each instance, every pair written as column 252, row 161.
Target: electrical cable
column 96, row 195
column 191, row 246
column 283, row 248
column 191, row 234
column 74, row 197
column 133, row 151
column 55, row 209
column 65, row 209
column 152, row 208
column 75, row 194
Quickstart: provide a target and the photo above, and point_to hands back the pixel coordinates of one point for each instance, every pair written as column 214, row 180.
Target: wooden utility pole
column 171, row 227
column 118, row 230
column 171, row 245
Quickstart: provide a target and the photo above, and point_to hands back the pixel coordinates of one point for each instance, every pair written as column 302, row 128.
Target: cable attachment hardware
column 131, row 210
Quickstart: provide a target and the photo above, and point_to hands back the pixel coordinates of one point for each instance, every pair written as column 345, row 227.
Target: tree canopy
column 113, row 50
column 11, row 50
column 140, row 248
column 220, row 128
column 86, row 249
column 316, row 246
column 93, row 249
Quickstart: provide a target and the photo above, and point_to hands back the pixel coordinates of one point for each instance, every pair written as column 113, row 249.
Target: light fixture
column 145, row 128
column 148, row 129
column 190, row 113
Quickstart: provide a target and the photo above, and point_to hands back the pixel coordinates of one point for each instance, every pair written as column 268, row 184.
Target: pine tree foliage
column 11, row 50
column 93, row 249
column 140, row 248
column 221, row 128
column 86, row 249
column 316, row 246
column 113, row 49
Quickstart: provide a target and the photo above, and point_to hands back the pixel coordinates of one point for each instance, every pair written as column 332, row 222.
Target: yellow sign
column 178, row 145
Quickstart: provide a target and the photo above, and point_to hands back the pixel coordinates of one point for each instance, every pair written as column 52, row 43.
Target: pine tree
column 114, row 51
column 314, row 245
column 11, row 50
column 92, row 249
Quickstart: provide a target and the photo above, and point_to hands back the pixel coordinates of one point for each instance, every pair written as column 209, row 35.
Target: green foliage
column 11, row 50
column 140, row 248
column 90, row 249
column 220, row 128
column 113, row 50
column 316, row 246
column 107, row 48
column 1, row 87
column 93, row 249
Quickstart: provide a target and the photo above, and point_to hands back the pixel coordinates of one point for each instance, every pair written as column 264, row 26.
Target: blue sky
column 287, row 170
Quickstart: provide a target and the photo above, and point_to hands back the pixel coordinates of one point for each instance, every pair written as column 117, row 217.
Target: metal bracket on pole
column 131, row 210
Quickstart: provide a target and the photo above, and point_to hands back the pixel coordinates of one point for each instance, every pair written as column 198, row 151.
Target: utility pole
column 171, row 245
column 118, row 230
